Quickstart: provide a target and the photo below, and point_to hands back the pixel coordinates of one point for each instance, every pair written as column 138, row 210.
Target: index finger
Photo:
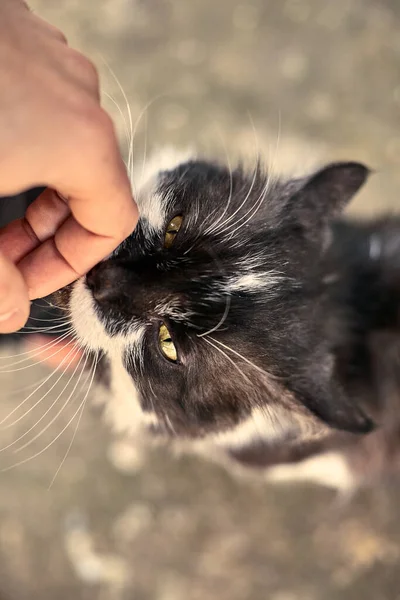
column 100, row 197
column 103, row 215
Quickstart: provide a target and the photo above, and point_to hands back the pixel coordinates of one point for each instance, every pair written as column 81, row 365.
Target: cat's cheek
column 87, row 326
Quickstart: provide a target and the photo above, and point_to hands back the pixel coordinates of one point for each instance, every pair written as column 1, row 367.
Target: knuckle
column 96, row 128
column 60, row 36
column 82, row 67
column 127, row 229
column 55, row 32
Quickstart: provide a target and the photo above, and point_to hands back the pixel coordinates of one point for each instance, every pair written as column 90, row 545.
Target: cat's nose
column 103, row 281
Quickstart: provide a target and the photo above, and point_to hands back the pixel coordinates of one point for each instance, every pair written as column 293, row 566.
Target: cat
column 247, row 318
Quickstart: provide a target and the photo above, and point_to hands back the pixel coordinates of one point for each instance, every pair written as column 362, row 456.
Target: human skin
column 54, row 133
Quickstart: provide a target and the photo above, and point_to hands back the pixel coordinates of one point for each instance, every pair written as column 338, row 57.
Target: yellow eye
column 167, row 346
column 172, row 229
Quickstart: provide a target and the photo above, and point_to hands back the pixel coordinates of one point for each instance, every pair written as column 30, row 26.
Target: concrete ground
column 303, row 80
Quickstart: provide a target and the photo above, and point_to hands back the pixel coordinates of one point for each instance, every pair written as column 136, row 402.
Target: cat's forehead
column 202, row 190
column 146, row 182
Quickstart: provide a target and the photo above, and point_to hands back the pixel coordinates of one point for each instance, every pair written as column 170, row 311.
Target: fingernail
column 6, row 316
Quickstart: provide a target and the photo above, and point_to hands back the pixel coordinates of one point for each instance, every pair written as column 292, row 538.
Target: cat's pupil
column 172, row 229
column 166, row 344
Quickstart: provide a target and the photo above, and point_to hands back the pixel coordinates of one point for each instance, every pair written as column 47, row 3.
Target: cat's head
column 216, row 304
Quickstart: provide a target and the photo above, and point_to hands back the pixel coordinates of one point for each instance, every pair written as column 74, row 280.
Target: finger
column 104, row 214
column 101, row 198
column 46, row 27
column 64, row 258
column 14, row 302
column 43, row 217
column 83, row 71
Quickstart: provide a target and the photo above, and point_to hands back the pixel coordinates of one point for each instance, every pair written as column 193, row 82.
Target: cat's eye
column 172, row 229
column 166, row 344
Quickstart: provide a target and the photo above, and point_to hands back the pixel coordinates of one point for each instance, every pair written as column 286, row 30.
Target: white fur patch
column 90, row 331
column 152, row 207
column 122, row 407
column 123, row 411
column 253, row 282
column 171, row 308
column 261, row 425
column 330, row 469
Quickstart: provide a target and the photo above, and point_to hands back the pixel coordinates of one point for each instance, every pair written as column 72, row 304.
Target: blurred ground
column 303, row 80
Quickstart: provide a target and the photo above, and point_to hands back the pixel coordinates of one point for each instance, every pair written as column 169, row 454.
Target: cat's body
column 243, row 318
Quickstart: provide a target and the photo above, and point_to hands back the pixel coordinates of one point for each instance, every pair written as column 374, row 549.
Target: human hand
column 54, row 133
column 14, row 302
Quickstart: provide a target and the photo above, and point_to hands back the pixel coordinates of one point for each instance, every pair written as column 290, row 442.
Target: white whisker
column 127, row 133
column 131, row 136
column 50, row 343
column 82, row 404
column 51, row 305
column 36, row 390
column 29, row 442
column 42, row 329
column 228, row 358
column 135, row 128
column 241, row 356
column 49, row 319
column 216, row 227
column 73, row 437
column 255, row 208
column 222, row 319
column 34, row 352
column 215, row 224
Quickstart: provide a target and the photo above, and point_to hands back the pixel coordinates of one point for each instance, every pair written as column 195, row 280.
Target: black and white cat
column 243, row 317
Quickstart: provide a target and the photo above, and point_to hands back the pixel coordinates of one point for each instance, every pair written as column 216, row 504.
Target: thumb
column 14, row 302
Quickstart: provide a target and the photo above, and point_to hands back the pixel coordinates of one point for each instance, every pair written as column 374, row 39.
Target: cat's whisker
column 278, row 139
column 126, row 131
column 21, row 437
column 254, row 130
column 135, row 128
column 256, row 207
column 29, row 442
column 241, row 356
column 44, row 330
column 131, row 136
column 215, row 224
column 72, row 440
column 82, row 404
column 51, row 305
column 214, row 229
column 222, row 319
column 34, row 353
column 151, row 400
column 169, row 425
column 52, row 319
column 271, row 170
column 222, row 226
column 51, row 328
column 145, row 144
column 75, row 347
column 25, row 388
column 208, row 340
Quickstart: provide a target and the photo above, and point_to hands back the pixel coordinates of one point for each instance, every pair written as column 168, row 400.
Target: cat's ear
column 325, row 194
column 325, row 398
